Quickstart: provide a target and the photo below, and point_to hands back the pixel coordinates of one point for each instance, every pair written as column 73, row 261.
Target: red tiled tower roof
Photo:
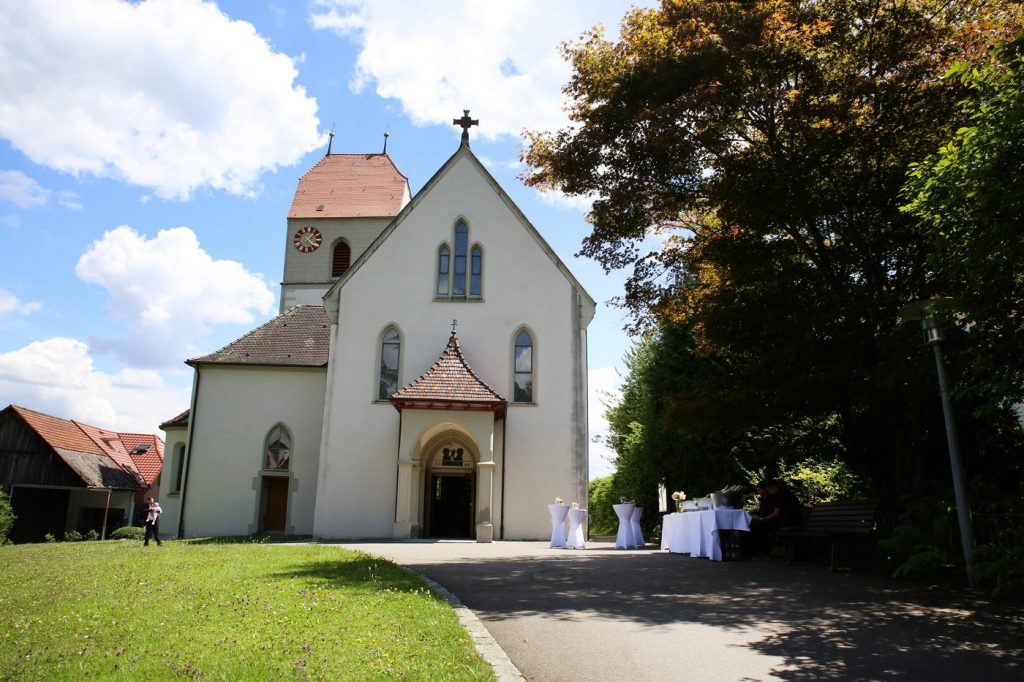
column 449, row 384
column 350, row 186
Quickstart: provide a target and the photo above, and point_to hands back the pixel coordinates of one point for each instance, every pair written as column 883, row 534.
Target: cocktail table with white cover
column 575, row 539
column 624, row 538
column 634, row 525
column 696, row 533
column 558, row 514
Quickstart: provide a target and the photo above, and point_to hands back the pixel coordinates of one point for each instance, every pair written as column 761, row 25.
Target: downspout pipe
column 193, row 416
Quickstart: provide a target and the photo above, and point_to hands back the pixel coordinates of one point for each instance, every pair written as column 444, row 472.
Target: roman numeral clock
column 307, row 239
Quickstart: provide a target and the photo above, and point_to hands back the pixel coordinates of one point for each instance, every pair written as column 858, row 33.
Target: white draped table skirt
column 624, row 538
column 558, row 514
column 576, row 519
column 696, row 533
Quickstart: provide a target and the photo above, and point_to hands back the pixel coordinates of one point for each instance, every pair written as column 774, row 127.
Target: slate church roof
column 299, row 337
column 449, row 384
column 351, row 186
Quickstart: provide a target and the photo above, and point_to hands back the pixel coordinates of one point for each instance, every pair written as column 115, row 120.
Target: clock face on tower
column 307, row 239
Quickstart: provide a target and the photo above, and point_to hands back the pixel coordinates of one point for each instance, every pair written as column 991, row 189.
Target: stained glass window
column 278, row 449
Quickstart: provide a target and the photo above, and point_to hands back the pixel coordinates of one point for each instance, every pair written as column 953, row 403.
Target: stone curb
column 504, row 669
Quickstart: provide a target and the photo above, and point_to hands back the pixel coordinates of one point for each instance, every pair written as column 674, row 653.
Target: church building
column 426, row 376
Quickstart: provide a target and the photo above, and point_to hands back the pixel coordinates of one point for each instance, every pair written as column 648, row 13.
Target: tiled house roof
column 350, row 186
column 149, row 461
column 177, row 420
column 98, row 456
column 449, row 383
column 299, row 337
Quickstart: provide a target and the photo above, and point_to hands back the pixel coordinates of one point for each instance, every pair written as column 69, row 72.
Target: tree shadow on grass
column 359, row 572
column 823, row 625
column 248, row 540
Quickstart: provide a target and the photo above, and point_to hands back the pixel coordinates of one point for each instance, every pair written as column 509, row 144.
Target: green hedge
column 128, row 533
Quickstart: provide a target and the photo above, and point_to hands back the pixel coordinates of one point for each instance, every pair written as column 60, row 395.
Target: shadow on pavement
column 824, row 625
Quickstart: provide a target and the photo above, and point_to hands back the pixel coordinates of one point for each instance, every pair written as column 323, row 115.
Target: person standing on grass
column 153, row 512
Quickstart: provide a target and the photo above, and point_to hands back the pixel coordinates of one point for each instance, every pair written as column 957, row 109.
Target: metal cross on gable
column 465, row 122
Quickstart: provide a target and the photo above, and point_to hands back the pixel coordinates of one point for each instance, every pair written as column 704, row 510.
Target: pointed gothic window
column 443, row 263
column 522, row 392
column 342, row 259
column 476, row 265
column 388, row 378
column 278, row 449
column 461, row 245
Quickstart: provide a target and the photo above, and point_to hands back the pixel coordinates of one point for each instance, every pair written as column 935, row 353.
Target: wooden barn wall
column 26, row 459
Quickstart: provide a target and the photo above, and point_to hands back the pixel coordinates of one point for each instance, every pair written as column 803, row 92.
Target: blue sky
column 149, row 152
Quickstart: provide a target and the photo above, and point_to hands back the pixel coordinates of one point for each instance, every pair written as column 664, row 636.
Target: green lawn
column 116, row 610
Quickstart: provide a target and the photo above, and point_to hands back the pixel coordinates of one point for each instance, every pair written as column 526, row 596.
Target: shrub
column 72, row 536
column 92, row 535
column 49, row 538
column 814, row 479
column 6, row 516
column 128, row 533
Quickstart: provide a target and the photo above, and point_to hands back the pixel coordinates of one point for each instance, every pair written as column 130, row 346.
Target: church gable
column 472, row 197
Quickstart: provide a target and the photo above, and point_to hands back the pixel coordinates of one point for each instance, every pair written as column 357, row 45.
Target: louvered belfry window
column 342, row 259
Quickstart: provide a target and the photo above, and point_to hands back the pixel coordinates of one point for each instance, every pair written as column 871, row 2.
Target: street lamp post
column 933, row 337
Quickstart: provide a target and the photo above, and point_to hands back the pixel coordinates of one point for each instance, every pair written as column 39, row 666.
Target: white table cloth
column 634, row 525
column 696, row 533
column 558, row 514
column 575, row 539
column 624, row 538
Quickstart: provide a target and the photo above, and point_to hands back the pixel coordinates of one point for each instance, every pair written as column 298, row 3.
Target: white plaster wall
column 170, row 501
column 304, row 269
column 84, row 499
column 234, row 410
column 521, row 285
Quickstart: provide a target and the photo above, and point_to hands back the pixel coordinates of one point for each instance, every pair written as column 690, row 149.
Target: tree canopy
column 766, row 143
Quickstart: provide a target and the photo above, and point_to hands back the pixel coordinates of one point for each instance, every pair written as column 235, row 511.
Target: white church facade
column 427, row 375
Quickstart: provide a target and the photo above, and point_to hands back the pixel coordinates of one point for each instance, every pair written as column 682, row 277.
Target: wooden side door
column 275, row 503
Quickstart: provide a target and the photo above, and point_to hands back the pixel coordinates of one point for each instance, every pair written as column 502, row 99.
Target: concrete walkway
column 603, row 614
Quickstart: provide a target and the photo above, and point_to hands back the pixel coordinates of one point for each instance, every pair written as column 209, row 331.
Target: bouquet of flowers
column 679, row 496
column 559, row 500
column 575, row 505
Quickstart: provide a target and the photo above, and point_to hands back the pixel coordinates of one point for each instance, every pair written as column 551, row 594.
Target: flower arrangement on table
column 679, row 496
column 559, row 500
column 575, row 505
column 626, row 500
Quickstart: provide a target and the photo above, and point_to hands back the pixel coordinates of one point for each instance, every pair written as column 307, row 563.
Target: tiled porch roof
column 449, row 384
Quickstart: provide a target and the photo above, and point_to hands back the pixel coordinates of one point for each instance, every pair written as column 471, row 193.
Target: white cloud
column 57, row 376
column 437, row 57
column 9, row 303
column 558, row 199
column 603, row 387
column 10, row 221
column 167, row 94
column 22, row 190
column 170, row 292
column 69, row 200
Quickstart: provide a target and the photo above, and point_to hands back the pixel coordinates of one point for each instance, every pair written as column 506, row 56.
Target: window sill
column 522, row 404
column 458, row 299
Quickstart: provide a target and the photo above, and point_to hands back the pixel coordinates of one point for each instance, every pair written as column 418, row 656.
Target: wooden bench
column 833, row 522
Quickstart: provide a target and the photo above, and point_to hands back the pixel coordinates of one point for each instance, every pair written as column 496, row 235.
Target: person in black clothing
column 153, row 512
column 778, row 509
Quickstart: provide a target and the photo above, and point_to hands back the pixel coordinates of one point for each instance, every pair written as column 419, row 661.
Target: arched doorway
column 451, row 491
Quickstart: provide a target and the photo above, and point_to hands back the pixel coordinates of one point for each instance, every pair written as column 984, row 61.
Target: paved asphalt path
column 630, row 615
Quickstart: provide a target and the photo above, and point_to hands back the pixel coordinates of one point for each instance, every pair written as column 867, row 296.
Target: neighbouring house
column 64, row 475
column 427, row 375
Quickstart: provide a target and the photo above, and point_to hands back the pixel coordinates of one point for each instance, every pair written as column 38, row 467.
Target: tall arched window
column 342, row 259
column 278, row 449
column 390, row 345
column 476, row 266
column 179, row 465
column 461, row 246
column 443, row 264
column 522, row 392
